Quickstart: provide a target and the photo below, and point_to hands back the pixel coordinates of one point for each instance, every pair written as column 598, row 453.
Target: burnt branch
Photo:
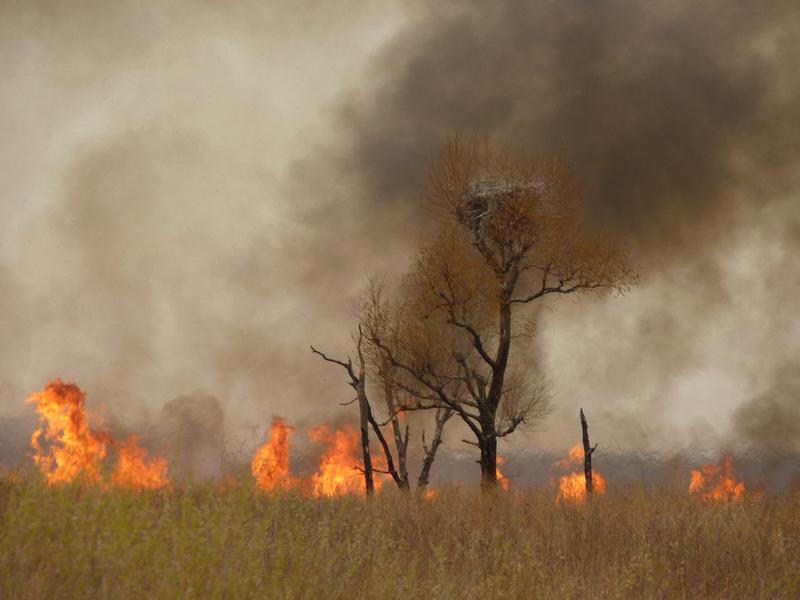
column 348, row 366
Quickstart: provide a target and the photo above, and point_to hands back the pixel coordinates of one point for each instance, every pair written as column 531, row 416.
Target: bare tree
column 358, row 381
column 397, row 470
column 376, row 316
column 510, row 234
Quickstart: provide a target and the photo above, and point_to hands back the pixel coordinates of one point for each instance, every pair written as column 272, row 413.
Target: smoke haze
column 192, row 194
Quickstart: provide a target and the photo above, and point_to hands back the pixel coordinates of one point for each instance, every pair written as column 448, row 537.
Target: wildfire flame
column 65, row 447
column 135, row 471
column 337, row 473
column 270, row 464
column 572, row 486
column 73, row 449
column 501, row 478
column 717, row 483
column 574, row 457
column 430, row 494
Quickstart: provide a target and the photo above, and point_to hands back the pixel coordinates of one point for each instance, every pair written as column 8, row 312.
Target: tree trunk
column 400, row 440
column 587, row 455
column 441, row 417
column 386, row 451
column 488, row 447
column 500, row 361
column 363, row 406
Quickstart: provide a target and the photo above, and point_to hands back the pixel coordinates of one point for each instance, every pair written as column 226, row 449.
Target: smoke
column 679, row 120
column 770, row 424
column 145, row 225
column 675, row 116
column 193, row 193
column 192, row 431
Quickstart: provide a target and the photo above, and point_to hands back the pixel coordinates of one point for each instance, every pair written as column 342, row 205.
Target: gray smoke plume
column 191, row 429
column 770, row 424
column 192, row 193
column 680, row 121
column 674, row 115
column 144, row 218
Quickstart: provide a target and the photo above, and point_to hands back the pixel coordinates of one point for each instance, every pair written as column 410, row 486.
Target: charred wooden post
column 587, row 455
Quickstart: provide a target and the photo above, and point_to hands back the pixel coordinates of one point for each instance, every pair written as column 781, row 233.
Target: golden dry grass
column 197, row 542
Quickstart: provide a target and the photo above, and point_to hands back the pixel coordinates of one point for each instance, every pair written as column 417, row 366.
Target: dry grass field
column 202, row 541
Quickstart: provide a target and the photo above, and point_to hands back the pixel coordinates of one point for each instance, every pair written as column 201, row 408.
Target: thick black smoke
column 676, row 116
column 681, row 121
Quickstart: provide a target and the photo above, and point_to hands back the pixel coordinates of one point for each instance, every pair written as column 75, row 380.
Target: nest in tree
column 484, row 195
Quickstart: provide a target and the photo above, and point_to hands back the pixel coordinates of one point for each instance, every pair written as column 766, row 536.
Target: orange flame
column 338, row 473
column 501, row 478
column 430, row 494
column 270, row 464
column 74, row 449
column 572, row 486
column 717, row 483
column 574, row 457
column 134, row 471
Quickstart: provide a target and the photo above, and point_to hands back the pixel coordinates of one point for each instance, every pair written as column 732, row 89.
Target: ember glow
column 430, row 494
column 717, row 483
column 64, row 446
column 270, row 464
column 572, row 486
column 134, row 470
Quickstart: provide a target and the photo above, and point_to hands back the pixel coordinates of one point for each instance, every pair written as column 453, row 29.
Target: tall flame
column 73, row 449
column 270, row 464
column 135, row 471
column 717, row 483
column 338, row 473
column 572, row 486
column 65, row 447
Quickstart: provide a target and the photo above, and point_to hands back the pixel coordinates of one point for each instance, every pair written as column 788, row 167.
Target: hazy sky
column 192, row 192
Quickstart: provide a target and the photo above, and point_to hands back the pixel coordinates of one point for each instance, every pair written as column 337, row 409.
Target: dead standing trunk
column 358, row 383
column 587, row 455
column 364, row 414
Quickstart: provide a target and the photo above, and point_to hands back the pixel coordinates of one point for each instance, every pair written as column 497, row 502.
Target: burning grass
column 66, row 447
column 78, row 529
column 572, row 485
column 84, row 541
column 717, row 483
